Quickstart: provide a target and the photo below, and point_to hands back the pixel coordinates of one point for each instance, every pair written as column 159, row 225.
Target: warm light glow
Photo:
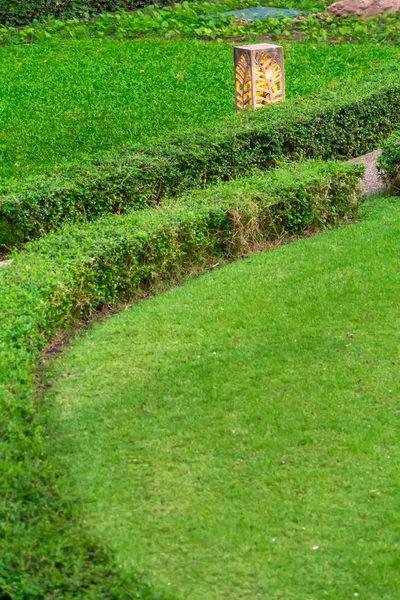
column 259, row 76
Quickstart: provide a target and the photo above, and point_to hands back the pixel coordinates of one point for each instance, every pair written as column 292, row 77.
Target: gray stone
column 372, row 182
column 363, row 8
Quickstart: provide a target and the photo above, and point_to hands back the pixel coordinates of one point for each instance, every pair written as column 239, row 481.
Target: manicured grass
column 64, row 99
column 238, row 437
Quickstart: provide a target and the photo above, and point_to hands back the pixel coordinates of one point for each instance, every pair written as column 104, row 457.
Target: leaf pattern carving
column 269, row 80
column 243, row 83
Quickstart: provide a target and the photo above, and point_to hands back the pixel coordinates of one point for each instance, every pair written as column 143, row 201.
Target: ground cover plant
column 15, row 12
column 64, row 277
column 71, row 98
column 346, row 120
column 205, row 21
column 65, row 100
column 238, row 437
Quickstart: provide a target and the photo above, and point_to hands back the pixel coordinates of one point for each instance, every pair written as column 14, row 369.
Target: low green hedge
column 22, row 12
column 347, row 121
column 67, row 275
column 389, row 162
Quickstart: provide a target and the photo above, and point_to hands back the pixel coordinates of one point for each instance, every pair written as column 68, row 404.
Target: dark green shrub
column 45, row 552
column 21, row 12
column 389, row 162
column 344, row 123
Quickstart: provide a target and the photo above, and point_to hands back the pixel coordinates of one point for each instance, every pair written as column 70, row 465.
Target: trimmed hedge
column 67, row 275
column 22, row 12
column 348, row 121
column 389, row 162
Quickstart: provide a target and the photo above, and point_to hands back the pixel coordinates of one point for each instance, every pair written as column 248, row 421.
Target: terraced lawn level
column 63, row 100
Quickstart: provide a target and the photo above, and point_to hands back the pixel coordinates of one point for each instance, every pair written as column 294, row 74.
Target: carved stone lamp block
column 259, row 75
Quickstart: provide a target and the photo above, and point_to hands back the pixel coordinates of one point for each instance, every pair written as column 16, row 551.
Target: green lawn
column 60, row 100
column 238, row 437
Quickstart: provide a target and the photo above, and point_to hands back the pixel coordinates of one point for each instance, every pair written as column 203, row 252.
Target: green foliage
column 19, row 13
column 63, row 100
column 15, row 12
column 343, row 123
column 202, row 21
column 66, row 276
column 231, row 425
column 389, row 162
column 383, row 29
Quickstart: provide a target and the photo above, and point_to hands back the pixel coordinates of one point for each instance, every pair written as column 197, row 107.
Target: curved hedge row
column 389, row 162
column 67, row 275
column 22, row 12
column 348, row 121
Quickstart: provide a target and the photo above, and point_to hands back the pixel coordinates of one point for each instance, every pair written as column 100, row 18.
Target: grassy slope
column 59, row 100
column 219, row 432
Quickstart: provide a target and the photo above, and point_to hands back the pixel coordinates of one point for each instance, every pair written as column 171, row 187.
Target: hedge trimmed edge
column 65, row 276
column 389, row 162
column 346, row 122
